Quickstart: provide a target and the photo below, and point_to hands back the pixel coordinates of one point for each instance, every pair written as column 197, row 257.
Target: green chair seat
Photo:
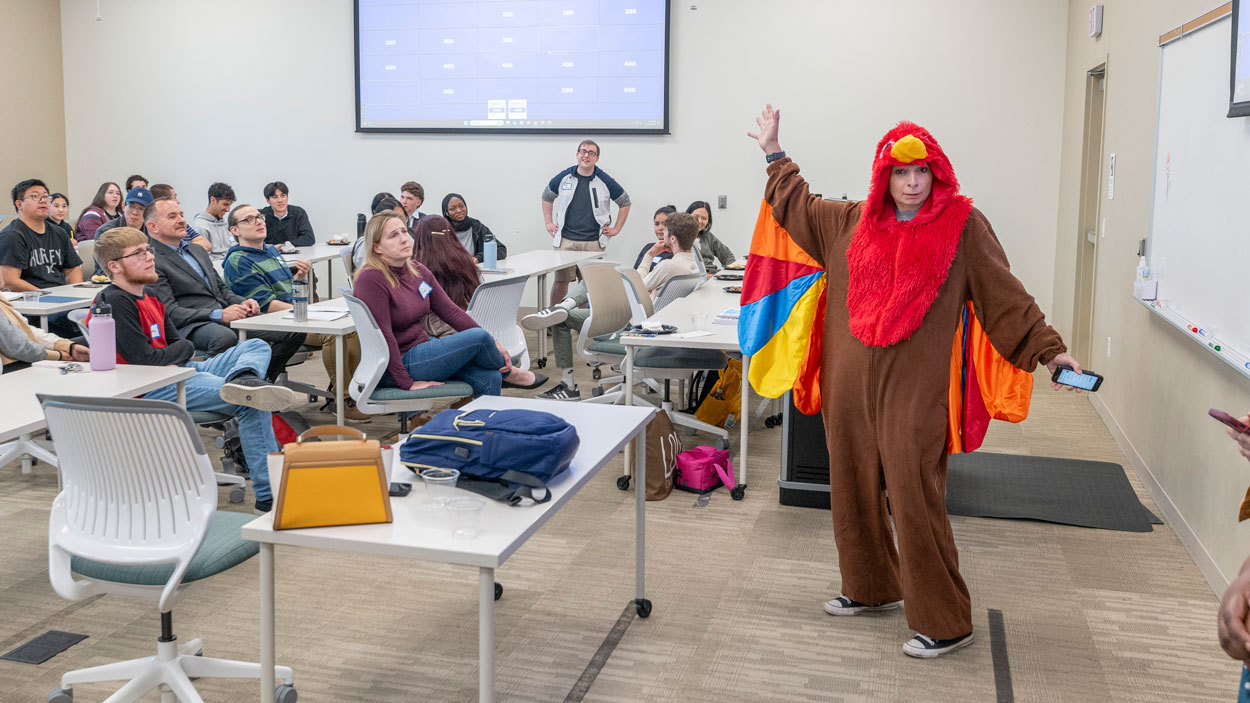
column 670, row 358
column 221, row 549
column 205, row 417
column 450, row 389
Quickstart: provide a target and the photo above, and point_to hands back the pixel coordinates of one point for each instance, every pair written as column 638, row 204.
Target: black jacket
column 294, row 228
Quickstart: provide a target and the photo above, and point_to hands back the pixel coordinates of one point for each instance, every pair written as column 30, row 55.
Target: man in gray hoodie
column 211, row 223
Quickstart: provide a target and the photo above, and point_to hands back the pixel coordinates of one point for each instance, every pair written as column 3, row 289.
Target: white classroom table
column 709, row 298
column 23, row 415
column 540, row 262
column 283, row 321
column 419, row 532
column 315, row 254
column 82, row 293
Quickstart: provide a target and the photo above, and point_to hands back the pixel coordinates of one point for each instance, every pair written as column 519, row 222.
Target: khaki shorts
column 570, row 273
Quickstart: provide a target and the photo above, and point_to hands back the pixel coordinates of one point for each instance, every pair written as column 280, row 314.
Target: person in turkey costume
column 902, row 267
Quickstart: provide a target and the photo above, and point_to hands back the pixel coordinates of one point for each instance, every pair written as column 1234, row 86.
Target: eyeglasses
column 249, row 219
column 72, row 367
column 140, row 252
column 39, row 198
column 587, row 152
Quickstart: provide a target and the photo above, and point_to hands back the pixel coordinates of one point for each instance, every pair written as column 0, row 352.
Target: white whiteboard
column 1200, row 223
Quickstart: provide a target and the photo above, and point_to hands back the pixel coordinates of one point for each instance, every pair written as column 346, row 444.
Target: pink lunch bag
column 704, row 469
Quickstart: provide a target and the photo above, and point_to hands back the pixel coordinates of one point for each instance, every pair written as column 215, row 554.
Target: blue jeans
column 470, row 356
column 1243, row 692
column 255, row 426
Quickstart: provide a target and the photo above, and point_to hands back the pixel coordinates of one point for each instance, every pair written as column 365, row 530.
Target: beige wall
column 32, row 116
column 1159, row 384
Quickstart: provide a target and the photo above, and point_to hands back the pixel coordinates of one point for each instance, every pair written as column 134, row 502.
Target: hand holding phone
column 1086, row 380
column 1229, row 420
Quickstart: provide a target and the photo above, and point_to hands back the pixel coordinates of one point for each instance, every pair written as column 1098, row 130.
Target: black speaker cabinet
column 804, row 478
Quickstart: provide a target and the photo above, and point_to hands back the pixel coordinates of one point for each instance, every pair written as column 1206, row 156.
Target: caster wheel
column 643, row 607
column 738, row 492
column 61, row 695
column 722, row 444
column 285, row 693
column 596, row 374
column 197, row 654
column 498, row 590
column 596, row 391
column 312, row 398
column 542, row 363
column 768, row 422
column 237, row 494
column 623, row 483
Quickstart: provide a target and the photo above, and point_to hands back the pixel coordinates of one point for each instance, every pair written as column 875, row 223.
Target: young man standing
column 285, row 222
column 229, row 383
column 211, row 223
column 256, row 271
column 577, row 210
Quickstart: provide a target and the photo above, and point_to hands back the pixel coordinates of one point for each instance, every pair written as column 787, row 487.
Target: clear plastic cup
column 440, row 484
column 31, row 296
column 465, row 513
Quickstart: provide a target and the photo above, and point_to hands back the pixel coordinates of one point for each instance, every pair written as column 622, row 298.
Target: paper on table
column 693, row 334
column 13, row 295
column 318, row 314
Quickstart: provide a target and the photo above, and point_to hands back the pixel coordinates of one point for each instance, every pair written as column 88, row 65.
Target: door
column 1089, row 228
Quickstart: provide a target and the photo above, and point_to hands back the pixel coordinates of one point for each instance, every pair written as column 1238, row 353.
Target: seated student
column 211, row 223
column 135, row 181
column 197, row 301
column 435, row 245
column 257, row 271
column 161, row 191
column 104, row 207
column 400, row 292
column 285, row 222
column 680, row 232
column 382, row 202
column 22, row 344
column 35, row 254
column 411, row 195
column 229, row 383
column 707, row 245
column 657, row 222
column 471, row 232
column 60, row 208
column 137, row 200
column 569, row 314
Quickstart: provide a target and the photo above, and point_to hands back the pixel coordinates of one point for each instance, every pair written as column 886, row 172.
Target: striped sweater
column 260, row 274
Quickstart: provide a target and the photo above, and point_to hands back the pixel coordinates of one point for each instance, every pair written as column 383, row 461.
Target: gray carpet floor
column 1088, row 615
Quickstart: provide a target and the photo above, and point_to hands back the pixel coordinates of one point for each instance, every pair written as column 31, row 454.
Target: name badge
column 424, row 289
column 155, row 331
column 567, row 185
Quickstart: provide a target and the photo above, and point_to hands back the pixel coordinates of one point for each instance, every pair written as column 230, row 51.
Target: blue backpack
column 504, row 454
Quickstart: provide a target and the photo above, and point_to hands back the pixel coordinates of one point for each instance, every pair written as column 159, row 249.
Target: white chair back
column 678, row 287
column 86, row 252
column 137, row 487
column 698, row 257
column 374, row 353
column 640, row 306
column 494, row 308
column 349, row 264
column 79, row 317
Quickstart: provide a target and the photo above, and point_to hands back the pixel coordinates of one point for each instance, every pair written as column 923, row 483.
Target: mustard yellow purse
column 340, row 482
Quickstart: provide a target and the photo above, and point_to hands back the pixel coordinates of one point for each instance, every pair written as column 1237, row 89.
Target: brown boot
column 351, row 413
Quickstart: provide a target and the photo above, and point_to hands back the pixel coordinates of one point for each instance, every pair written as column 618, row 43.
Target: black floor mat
column 1064, row 491
column 43, row 647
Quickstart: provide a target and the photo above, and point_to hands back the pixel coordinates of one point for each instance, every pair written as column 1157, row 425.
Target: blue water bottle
column 490, row 252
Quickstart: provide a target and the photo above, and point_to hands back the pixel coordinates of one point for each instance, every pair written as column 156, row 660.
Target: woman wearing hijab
column 471, row 233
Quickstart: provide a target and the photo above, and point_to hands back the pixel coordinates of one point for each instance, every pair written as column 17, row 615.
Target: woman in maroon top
column 401, row 292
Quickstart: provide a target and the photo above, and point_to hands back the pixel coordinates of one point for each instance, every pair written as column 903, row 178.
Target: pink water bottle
column 103, row 338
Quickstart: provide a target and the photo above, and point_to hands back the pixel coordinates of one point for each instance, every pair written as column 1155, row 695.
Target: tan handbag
column 332, row 483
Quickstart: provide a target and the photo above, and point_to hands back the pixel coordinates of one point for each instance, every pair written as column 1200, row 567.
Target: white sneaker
column 925, row 647
column 547, row 317
column 258, row 393
column 845, row 606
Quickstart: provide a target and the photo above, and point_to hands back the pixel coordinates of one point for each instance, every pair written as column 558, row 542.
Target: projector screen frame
column 662, row 130
column 1235, row 108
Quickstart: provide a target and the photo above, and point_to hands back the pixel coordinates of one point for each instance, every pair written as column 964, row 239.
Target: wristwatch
column 775, row 156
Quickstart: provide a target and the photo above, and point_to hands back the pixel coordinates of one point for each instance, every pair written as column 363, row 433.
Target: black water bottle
column 360, row 224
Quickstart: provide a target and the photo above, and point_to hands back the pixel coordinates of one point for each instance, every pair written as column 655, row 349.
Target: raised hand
column 768, row 122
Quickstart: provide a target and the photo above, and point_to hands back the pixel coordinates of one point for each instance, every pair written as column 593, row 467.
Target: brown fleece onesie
column 885, row 405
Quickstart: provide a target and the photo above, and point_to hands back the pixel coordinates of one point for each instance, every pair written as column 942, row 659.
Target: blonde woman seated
column 401, row 292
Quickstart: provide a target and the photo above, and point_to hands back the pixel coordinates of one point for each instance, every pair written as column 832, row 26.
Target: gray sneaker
column 258, row 393
column 561, row 392
column 548, row 317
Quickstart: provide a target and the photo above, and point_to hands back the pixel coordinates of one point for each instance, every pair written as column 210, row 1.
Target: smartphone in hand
column 1229, row 420
column 1086, row 380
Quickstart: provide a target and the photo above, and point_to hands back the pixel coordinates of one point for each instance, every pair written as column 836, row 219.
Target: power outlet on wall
column 1108, row 346
column 722, row 202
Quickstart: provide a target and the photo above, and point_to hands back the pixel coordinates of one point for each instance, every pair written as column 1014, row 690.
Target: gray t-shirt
column 466, row 238
column 580, row 224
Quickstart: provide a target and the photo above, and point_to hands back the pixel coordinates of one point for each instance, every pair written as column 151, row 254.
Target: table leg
column 629, row 400
column 640, row 522
column 338, row 377
column 267, row 647
column 242, row 335
column 742, row 420
column 542, row 334
column 43, row 322
column 181, row 387
column 329, row 278
column 486, row 635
